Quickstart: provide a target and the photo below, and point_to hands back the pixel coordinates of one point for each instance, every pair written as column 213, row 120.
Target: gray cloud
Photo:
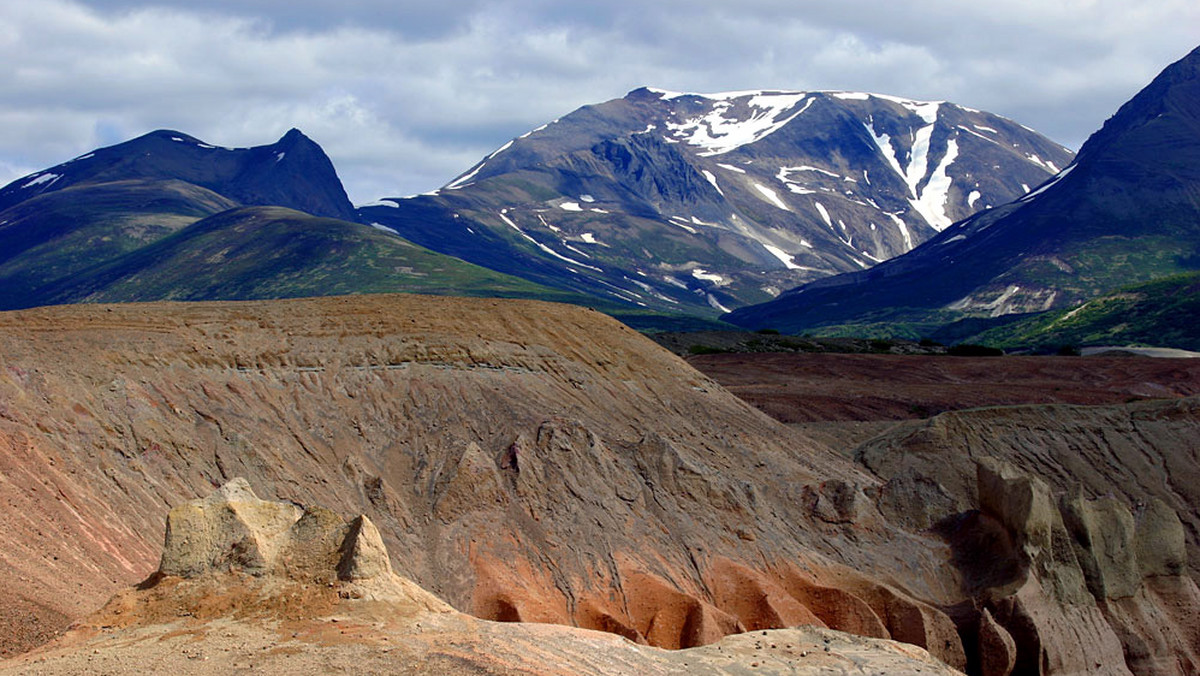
column 406, row 95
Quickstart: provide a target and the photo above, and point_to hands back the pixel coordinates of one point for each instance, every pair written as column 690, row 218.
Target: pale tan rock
column 1103, row 535
column 1160, row 540
column 231, row 529
column 365, row 557
column 1021, row 502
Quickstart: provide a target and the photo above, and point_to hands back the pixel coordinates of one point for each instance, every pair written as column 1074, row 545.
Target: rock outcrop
column 232, row 530
column 1077, row 598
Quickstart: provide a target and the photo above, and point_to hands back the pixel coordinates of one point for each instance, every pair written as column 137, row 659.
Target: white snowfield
column 737, row 118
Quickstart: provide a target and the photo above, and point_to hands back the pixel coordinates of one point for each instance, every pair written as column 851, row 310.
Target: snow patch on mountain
column 736, row 119
column 1062, row 174
column 716, row 304
column 462, row 181
column 884, row 143
column 932, row 201
column 501, row 149
column 386, row 202
column 903, row 227
column 682, row 223
column 706, row 276
column 784, row 172
column 713, row 180
column 824, row 214
column 783, row 256
column 771, row 195
column 504, row 217
column 39, row 179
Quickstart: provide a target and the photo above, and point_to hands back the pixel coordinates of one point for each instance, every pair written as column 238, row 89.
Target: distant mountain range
column 664, row 209
column 1127, row 210
column 704, row 203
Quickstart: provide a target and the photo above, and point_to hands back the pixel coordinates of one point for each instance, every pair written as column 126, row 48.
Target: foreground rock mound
column 268, row 587
column 233, row 530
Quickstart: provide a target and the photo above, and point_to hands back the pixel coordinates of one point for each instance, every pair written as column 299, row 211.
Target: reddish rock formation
column 269, row 588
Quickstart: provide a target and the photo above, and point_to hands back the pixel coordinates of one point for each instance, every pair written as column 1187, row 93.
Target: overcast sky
column 405, row 95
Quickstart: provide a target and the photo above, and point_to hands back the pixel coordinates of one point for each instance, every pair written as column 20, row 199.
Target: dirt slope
column 522, row 460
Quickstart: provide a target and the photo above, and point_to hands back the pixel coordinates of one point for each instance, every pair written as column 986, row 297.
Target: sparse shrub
column 878, row 345
column 768, row 332
column 707, row 349
column 929, row 342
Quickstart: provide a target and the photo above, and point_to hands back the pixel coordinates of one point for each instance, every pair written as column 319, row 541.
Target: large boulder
column 232, row 530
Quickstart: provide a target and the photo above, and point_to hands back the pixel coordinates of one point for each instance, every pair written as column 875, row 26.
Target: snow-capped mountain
column 1126, row 211
column 677, row 200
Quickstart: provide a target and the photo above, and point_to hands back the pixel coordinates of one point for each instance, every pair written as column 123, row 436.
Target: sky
column 406, row 95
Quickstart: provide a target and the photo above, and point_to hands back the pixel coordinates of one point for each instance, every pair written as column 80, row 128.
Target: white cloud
column 403, row 96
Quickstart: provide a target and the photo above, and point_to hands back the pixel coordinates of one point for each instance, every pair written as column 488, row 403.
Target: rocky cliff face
column 1081, row 555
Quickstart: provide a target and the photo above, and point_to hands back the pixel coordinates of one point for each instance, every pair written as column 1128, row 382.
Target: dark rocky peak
column 1165, row 114
column 293, row 172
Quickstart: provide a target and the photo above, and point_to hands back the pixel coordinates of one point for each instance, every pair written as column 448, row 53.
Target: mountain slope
column 707, row 202
column 273, row 252
column 292, row 172
column 56, row 235
column 1127, row 210
column 1155, row 313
